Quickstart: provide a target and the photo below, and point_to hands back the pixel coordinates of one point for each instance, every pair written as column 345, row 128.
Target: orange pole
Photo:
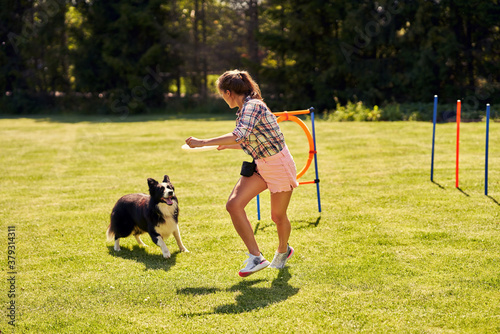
column 296, row 112
column 459, row 111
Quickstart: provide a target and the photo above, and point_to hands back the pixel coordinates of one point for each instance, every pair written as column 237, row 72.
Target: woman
column 257, row 132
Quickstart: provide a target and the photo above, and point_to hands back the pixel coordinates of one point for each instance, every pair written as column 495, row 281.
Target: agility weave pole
column 457, row 159
column 486, row 149
column 311, row 138
column 434, row 118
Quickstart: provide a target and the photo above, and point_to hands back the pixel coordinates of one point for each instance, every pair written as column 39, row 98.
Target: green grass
column 391, row 251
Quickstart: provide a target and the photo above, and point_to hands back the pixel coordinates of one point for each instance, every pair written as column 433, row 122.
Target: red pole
column 459, row 107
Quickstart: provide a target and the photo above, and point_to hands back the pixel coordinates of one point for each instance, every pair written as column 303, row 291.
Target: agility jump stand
column 311, row 138
column 457, row 158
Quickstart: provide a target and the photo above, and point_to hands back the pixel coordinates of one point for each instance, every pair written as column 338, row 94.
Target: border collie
column 156, row 214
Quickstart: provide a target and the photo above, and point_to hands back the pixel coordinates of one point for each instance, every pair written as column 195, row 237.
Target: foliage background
column 135, row 56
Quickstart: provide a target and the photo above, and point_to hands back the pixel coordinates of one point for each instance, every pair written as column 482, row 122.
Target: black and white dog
column 156, row 214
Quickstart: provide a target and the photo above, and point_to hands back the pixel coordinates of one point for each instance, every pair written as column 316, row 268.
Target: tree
column 124, row 49
column 302, row 54
column 33, row 52
column 13, row 44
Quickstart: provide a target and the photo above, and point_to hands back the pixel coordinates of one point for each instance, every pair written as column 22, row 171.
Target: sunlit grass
column 391, row 251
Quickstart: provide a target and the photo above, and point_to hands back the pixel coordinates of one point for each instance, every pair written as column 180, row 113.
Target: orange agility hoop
column 311, row 138
column 289, row 116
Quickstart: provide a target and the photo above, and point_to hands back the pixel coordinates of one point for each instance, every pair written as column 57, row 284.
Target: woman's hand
column 194, row 142
column 225, row 141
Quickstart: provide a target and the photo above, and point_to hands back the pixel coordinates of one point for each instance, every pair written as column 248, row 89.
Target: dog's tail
column 110, row 234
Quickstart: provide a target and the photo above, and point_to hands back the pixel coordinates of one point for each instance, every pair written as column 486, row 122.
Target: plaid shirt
column 257, row 130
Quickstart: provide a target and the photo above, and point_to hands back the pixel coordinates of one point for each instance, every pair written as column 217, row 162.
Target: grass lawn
column 391, row 251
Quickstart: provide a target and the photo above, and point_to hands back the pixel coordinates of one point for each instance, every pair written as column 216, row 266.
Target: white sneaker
column 254, row 264
column 280, row 259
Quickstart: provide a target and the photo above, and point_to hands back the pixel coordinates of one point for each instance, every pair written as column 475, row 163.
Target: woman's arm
column 228, row 139
column 234, row 147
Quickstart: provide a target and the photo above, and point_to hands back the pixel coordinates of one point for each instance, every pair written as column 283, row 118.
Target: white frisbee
column 198, row 149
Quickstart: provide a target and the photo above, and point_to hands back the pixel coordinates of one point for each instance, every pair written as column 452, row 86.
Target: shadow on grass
column 296, row 225
column 463, row 192
column 494, row 200
column 437, row 184
column 249, row 297
column 308, row 223
column 150, row 261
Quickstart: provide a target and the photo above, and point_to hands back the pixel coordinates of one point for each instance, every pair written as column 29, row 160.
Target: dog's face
column 162, row 192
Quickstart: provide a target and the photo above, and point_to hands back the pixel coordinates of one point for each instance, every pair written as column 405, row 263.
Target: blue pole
column 434, row 118
column 486, row 154
column 258, row 207
column 315, row 159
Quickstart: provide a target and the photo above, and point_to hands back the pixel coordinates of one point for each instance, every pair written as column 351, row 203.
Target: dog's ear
column 152, row 182
column 166, row 179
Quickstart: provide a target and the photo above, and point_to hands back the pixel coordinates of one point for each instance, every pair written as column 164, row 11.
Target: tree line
column 128, row 56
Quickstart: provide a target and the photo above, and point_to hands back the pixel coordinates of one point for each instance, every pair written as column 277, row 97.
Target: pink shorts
column 278, row 171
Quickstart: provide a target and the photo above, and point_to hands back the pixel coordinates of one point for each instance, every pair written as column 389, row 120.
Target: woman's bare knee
column 279, row 218
column 233, row 206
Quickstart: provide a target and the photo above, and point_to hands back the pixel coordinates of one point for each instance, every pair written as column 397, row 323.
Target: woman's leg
column 245, row 189
column 279, row 205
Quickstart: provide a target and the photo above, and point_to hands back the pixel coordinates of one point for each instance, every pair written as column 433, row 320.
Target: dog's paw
column 117, row 248
column 166, row 255
column 185, row 250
